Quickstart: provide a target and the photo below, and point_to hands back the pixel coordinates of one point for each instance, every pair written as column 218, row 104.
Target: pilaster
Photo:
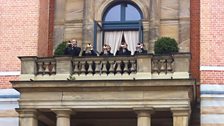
column 63, row 116
column 180, row 116
column 27, row 117
column 144, row 116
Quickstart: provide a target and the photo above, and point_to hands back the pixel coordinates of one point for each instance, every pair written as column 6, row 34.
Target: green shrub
column 60, row 48
column 165, row 45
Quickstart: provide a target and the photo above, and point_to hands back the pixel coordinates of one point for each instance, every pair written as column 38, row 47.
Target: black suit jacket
column 68, row 51
column 142, row 52
column 120, row 52
column 92, row 53
column 76, row 51
column 108, row 54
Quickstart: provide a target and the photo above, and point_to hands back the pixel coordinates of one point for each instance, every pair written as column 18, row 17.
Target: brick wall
column 212, row 77
column 212, row 62
column 4, row 81
column 43, row 28
column 212, row 39
column 212, row 27
column 20, row 34
column 51, row 27
column 195, row 38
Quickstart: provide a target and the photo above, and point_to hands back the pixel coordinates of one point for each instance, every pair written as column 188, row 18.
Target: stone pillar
column 181, row 65
column 180, row 116
column 28, row 67
column 27, row 117
column 63, row 116
column 63, row 67
column 144, row 71
column 88, row 23
column 59, row 22
column 144, row 116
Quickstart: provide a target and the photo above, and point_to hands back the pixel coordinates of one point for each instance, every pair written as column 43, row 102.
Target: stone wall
column 75, row 19
column 68, row 20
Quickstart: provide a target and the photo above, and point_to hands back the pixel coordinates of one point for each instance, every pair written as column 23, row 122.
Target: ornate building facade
column 146, row 95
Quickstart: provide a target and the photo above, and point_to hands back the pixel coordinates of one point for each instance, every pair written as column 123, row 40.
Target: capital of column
column 180, row 111
column 144, row 112
column 62, row 112
column 27, row 113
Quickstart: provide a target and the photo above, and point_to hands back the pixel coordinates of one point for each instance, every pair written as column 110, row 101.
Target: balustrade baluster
column 162, row 65
column 169, row 64
column 86, row 66
column 98, row 66
column 129, row 65
column 103, row 68
column 111, row 70
column 39, row 67
column 43, row 68
column 155, row 65
column 118, row 66
column 122, row 66
column 108, row 67
column 75, row 68
column 53, row 70
column 50, row 66
column 93, row 67
column 133, row 66
column 125, row 70
column 46, row 65
column 82, row 65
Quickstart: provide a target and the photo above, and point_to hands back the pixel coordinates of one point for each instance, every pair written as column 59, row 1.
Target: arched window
column 121, row 20
column 122, row 12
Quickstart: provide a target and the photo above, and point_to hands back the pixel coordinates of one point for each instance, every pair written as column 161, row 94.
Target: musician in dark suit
column 106, row 51
column 68, row 50
column 72, row 49
column 89, row 51
column 75, row 49
column 140, row 49
column 123, row 50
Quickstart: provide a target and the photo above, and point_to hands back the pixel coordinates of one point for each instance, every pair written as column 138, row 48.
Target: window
column 122, row 12
column 120, row 20
column 113, row 14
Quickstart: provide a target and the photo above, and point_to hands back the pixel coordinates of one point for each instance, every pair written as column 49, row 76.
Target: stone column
column 88, row 23
column 180, row 116
column 154, row 23
column 144, row 116
column 28, row 67
column 63, row 67
column 59, row 22
column 27, row 117
column 63, row 116
column 144, row 71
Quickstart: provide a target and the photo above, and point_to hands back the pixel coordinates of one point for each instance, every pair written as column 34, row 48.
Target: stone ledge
column 103, row 83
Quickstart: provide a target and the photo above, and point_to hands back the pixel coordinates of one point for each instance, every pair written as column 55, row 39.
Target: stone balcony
column 104, row 68
column 144, row 90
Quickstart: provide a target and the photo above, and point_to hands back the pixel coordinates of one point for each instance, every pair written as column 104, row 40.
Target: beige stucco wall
column 74, row 19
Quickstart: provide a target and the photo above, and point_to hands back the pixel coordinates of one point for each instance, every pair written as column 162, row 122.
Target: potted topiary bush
column 165, row 45
column 60, row 48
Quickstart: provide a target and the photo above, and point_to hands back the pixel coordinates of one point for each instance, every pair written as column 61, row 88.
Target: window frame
column 123, row 11
column 123, row 25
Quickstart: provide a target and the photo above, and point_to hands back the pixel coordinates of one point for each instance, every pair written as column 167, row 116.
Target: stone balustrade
column 162, row 64
column 104, row 65
column 46, row 66
column 149, row 66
